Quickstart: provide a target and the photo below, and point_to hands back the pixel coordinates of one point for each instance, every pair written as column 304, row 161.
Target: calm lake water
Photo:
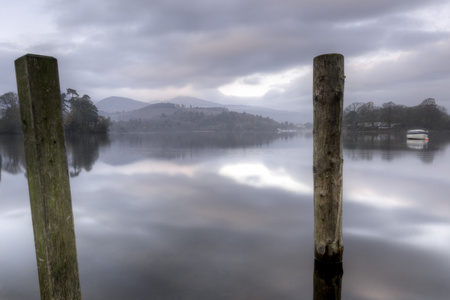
column 223, row 216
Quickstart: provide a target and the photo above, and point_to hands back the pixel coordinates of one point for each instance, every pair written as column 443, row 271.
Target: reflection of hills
column 364, row 146
column 84, row 150
column 133, row 147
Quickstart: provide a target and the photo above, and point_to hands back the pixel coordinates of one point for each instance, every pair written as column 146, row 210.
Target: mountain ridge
column 116, row 104
column 114, row 107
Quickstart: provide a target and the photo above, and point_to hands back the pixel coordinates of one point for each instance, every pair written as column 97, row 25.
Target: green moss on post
column 328, row 98
column 48, row 178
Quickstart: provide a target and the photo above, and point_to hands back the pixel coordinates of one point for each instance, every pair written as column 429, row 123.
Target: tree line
column 366, row 116
column 188, row 121
column 80, row 115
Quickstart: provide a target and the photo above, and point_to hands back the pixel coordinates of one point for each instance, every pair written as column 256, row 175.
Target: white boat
column 417, row 134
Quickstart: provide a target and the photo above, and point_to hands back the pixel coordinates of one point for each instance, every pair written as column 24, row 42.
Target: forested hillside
column 164, row 109
column 124, row 109
column 192, row 120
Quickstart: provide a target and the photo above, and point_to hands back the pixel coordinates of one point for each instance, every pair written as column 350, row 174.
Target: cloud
column 156, row 49
column 405, row 77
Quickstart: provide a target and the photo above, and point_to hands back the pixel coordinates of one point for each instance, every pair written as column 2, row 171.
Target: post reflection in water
column 327, row 280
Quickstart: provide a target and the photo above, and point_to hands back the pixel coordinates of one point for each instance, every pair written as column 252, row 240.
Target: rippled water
column 222, row 216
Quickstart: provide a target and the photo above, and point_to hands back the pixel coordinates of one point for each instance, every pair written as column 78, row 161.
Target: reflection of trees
column 83, row 151
column 391, row 145
column 10, row 115
column 12, row 158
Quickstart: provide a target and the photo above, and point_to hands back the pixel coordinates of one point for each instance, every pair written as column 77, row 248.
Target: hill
column 118, row 104
column 277, row 115
column 114, row 107
column 169, row 117
column 163, row 110
column 194, row 102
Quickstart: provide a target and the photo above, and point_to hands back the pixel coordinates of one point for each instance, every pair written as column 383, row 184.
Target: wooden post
column 328, row 95
column 48, row 178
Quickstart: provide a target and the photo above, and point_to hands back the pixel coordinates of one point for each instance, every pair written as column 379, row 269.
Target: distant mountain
column 119, row 108
column 147, row 112
column 277, row 115
column 170, row 117
column 194, row 102
column 164, row 109
column 119, row 104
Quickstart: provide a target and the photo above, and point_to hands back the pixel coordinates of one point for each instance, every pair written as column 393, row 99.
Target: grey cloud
column 250, row 34
column 198, row 15
column 7, row 77
column 142, row 45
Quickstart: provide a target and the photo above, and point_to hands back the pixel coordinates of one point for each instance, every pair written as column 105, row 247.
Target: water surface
column 226, row 216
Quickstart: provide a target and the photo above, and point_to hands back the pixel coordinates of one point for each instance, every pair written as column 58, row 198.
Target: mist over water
column 230, row 216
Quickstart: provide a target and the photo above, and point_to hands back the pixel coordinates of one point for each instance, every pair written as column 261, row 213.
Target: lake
column 230, row 216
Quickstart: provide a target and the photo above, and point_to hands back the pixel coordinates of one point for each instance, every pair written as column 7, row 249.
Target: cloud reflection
column 434, row 237
column 368, row 196
column 259, row 176
column 149, row 167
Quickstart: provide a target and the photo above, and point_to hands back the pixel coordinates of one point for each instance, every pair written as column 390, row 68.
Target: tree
column 390, row 113
column 430, row 115
column 351, row 114
column 9, row 110
column 367, row 113
column 82, row 115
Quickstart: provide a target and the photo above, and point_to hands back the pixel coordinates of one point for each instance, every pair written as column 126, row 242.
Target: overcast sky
column 253, row 52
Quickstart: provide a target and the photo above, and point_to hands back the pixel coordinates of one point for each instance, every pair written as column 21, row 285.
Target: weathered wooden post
column 48, row 178
column 328, row 96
